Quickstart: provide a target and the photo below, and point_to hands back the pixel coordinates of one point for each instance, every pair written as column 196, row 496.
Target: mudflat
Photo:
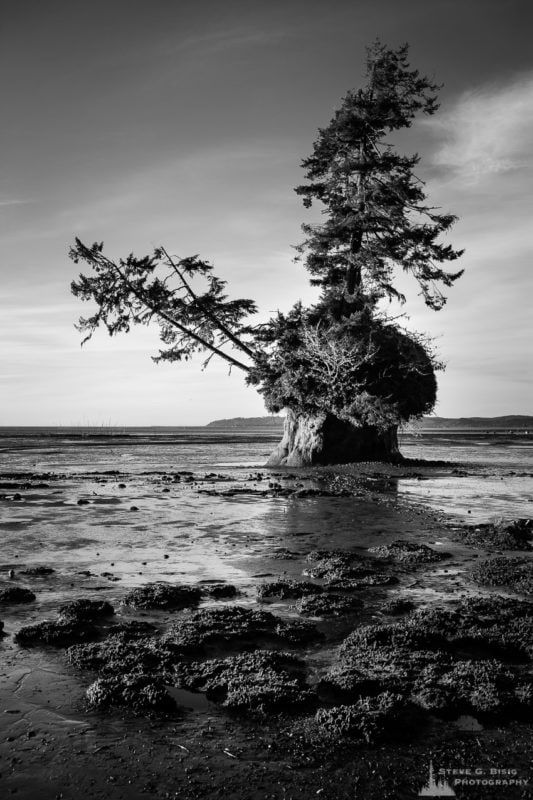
column 259, row 634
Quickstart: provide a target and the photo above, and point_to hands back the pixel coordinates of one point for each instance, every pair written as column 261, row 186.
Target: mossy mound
column 123, row 653
column 286, row 589
column 397, row 607
column 220, row 591
column 328, row 605
column 163, row 596
column 235, row 626
column 37, row 571
column 442, row 659
column 337, row 564
column 514, row 573
column 370, row 720
column 84, row 610
column 505, row 535
column 140, row 693
column 408, row 553
column 366, row 582
column 58, row 633
column 16, row 594
column 261, row 681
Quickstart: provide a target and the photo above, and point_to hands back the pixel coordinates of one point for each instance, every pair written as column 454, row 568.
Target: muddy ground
column 312, row 557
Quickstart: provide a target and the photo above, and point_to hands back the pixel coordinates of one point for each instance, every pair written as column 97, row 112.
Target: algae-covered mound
column 286, row 589
column 443, row 659
column 163, row 596
column 58, row 633
column 397, row 607
column 16, row 594
column 234, row 625
column 369, row 720
column 514, row 573
column 337, row 564
column 84, row 610
column 506, row 535
column 138, row 692
column 259, row 681
column 355, row 584
column 408, row 552
column 125, row 652
column 220, row 591
column 328, row 605
column 37, row 571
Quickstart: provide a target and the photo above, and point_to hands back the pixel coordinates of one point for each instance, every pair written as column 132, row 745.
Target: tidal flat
column 258, row 633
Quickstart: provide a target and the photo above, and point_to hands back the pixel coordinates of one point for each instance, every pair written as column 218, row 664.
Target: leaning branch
column 160, row 313
column 209, row 314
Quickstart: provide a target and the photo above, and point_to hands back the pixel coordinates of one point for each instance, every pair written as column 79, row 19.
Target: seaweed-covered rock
column 365, row 582
column 16, row 594
column 84, row 610
column 481, row 687
column 37, row 571
column 58, row 633
column 220, row 591
column 261, row 681
column 328, row 605
column 408, row 552
column 138, row 692
column 370, row 720
column 286, row 589
column 505, row 535
column 397, row 607
column 163, row 596
column 337, row 564
column 515, row 573
column 234, row 625
column 121, row 653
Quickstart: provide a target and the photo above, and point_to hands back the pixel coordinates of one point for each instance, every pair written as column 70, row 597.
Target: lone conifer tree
column 345, row 375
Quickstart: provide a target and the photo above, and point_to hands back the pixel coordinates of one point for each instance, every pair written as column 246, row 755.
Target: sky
column 184, row 123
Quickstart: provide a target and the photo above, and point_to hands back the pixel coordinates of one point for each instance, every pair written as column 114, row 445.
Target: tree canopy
column 342, row 355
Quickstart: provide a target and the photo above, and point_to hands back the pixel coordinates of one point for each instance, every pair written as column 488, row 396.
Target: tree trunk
column 326, row 439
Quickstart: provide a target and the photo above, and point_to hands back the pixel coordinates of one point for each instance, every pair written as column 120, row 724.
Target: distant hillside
column 510, row 422
column 248, row 422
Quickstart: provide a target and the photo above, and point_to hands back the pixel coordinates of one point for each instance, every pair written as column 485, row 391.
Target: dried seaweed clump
column 163, row 596
column 408, row 552
column 515, row 573
column 370, row 720
column 16, row 594
column 260, row 682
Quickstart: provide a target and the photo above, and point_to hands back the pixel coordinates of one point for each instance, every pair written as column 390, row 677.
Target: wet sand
column 245, row 529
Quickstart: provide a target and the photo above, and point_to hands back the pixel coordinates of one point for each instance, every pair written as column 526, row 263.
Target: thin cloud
column 13, row 202
column 487, row 132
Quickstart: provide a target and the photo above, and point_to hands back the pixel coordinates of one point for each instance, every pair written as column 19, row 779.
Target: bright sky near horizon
column 183, row 123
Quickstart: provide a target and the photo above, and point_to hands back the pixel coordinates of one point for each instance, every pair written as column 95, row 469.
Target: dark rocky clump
column 123, row 653
column 220, row 591
column 84, row 610
column 370, row 720
column 400, row 605
column 514, row 535
column 328, row 605
column 234, row 626
column 515, row 573
column 354, row 584
column 337, row 564
column 59, row 633
column 443, row 659
column 260, row 681
column 16, row 594
column 140, row 693
column 286, row 589
column 321, row 493
column 37, row 571
column 408, row 552
column 163, row 596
